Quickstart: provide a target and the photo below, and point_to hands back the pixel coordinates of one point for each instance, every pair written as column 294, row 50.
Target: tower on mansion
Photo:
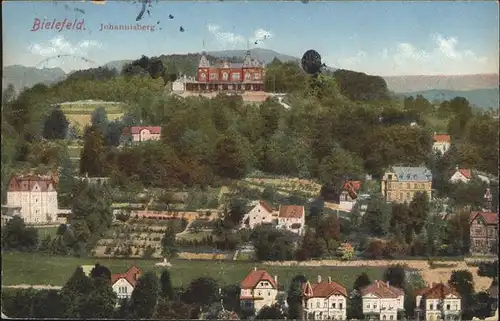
column 36, row 196
column 226, row 76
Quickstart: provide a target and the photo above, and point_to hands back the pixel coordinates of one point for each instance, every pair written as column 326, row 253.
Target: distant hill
column 21, row 76
column 263, row 55
column 482, row 98
column 117, row 64
column 405, row 84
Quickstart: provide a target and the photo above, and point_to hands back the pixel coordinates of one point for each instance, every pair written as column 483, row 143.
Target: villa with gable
column 124, row 283
column 325, row 300
column 258, row 289
column 438, row 302
column 381, row 301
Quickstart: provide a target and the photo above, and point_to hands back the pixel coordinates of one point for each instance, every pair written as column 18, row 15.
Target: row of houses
column 327, row 300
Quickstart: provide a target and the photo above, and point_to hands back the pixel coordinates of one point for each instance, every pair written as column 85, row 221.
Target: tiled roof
column 467, row 173
column 266, row 206
column 437, row 291
column 404, row 173
column 254, row 277
column 382, row 290
column 132, row 275
column 488, row 217
column 291, row 211
column 442, row 138
column 26, row 183
column 138, row 129
column 323, row 289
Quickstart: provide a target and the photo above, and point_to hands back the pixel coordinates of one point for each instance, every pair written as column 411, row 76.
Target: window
column 384, row 317
column 389, row 195
column 340, row 305
column 408, row 195
column 375, row 306
column 389, row 185
column 325, row 305
column 448, row 307
column 268, row 293
column 400, row 196
column 334, row 306
column 408, row 186
column 415, row 186
column 214, row 76
column 368, row 306
column 259, row 293
column 225, row 76
column 431, row 306
column 235, row 76
column 248, row 76
column 391, row 317
column 318, row 304
column 203, row 76
column 389, row 177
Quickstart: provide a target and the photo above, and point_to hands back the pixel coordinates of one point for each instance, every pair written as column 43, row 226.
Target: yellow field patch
column 83, row 120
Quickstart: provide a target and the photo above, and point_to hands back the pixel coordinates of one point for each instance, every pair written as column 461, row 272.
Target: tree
column 377, row 217
column 91, row 159
column 169, row 248
column 100, row 271
column 295, row 298
column 488, row 269
column 99, row 119
column 333, row 168
column 419, row 209
column 231, row 297
column 361, row 281
column 272, row 312
column 16, row 236
column 273, row 245
column 144, row 297
column 202, row 291
column 56, row 125
column 75, row 291
column 229, row 160
column 395, row 275
column 101, row 301
column 167, row 290
column 463, row 282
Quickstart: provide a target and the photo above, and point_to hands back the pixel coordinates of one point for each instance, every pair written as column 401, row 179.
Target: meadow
column 38, row 269
column 80, row 112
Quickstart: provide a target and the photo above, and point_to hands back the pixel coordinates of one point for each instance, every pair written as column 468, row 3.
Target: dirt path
column 441, row 274
column 36, row 287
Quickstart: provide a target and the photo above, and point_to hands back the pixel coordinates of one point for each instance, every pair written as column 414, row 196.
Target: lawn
column 84, row 119
column 23, row 268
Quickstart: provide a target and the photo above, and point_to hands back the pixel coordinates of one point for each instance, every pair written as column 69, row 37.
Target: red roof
column 438, row 291
column 323, row 289
column 138, row 129
column 467, row 173
column 254, row 277
column 354, row 185
column 291, row 211
column 27, row 183
column 266, row 206
column 442, row 138
column 382, row 290
column 489, row 218
column 132, row 275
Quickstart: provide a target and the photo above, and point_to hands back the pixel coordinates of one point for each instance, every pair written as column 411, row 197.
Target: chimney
column 432, row 285
column 387, row 283
column 329, row 280
column 276, row 279
column 456, row 167
column 255, row 268
column 319, row 278
column 435, row 133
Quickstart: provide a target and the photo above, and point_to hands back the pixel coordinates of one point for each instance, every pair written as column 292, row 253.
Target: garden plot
column 288, row 184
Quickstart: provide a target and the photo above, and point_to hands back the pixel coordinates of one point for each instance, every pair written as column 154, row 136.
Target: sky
column 380, row 38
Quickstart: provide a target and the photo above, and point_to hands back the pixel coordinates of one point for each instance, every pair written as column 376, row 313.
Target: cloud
column 443, row 55
column 59, row 45
column 230, row 39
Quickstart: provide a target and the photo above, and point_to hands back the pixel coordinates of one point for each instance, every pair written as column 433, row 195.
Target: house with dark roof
column 483, row 232
column 258, row 289
column 124, row 283
column 401, row 183
column 382, row 301
column 325, row 300
column 438, row 302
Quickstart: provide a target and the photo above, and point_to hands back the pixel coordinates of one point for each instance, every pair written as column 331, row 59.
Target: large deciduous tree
column 56, row 125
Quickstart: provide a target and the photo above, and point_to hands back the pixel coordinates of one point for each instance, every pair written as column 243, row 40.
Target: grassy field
column 22, row 268
column 84, row 119
column 80, row 112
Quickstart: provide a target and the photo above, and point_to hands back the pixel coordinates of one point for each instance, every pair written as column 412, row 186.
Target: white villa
column 258, row 289
column 325, row 300
column 292, row 218
column 381, row 301
column 36, row 196
column 124, row 283
column 441, row 143
column 438, row 299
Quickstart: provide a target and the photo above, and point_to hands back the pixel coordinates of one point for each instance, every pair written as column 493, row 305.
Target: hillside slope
column 21, row 76
column 405, row 84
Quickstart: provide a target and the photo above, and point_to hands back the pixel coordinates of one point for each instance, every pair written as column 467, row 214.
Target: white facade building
column 441, row 143
column 382, row 301
column 292, row 218
column 36, row 196
column 261, row 213
column 123, row 284
column 141, row 133
column 258, row 290
column 325, row 300
column 439, row 301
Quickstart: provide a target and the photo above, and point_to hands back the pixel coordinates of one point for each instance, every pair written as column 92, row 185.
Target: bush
column 345, row 252
column 376, row 249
